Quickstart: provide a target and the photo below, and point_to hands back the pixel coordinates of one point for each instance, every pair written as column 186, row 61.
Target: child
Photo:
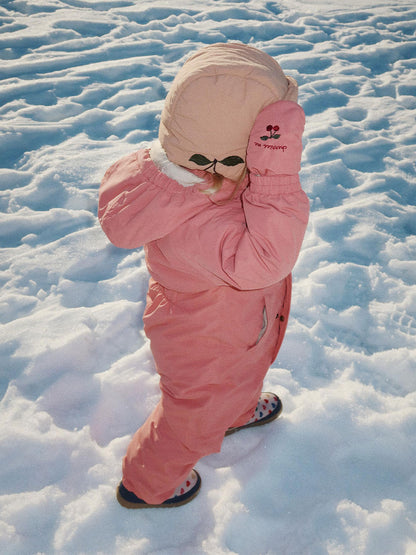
column 220, row 245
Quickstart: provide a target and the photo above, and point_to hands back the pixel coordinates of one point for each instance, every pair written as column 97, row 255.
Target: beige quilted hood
column 213, row 102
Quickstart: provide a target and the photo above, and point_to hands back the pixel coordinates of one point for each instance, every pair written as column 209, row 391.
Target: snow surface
column 83, row 83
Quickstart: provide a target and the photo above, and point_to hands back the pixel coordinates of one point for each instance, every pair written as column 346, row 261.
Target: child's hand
column 275, row 143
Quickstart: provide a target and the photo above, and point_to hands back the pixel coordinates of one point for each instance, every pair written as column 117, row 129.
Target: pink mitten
column 275, row 143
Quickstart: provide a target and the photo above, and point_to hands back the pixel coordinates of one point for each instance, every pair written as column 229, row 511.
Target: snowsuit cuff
column 275, row 184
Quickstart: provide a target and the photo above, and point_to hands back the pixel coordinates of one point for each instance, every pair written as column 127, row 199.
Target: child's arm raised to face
column 275, row 207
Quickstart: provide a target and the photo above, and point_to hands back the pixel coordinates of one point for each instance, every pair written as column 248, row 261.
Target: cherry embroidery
column 272, row 129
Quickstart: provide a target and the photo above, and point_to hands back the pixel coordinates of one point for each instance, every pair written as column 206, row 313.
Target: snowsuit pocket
column 264, row 326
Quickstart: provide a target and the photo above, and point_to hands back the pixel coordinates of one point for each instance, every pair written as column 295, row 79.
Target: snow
column 83, row 83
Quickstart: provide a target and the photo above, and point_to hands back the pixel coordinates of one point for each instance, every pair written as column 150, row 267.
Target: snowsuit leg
column 207, row 386
column 178, row 433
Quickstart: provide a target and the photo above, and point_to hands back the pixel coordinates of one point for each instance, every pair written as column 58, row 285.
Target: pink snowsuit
column 218, row 300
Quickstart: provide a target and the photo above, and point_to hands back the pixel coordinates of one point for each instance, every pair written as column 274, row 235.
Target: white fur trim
column 178, row 173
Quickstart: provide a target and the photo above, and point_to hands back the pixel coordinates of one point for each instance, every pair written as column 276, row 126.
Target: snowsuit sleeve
column 139, row 204
column 263, row 250
column 275, row 207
